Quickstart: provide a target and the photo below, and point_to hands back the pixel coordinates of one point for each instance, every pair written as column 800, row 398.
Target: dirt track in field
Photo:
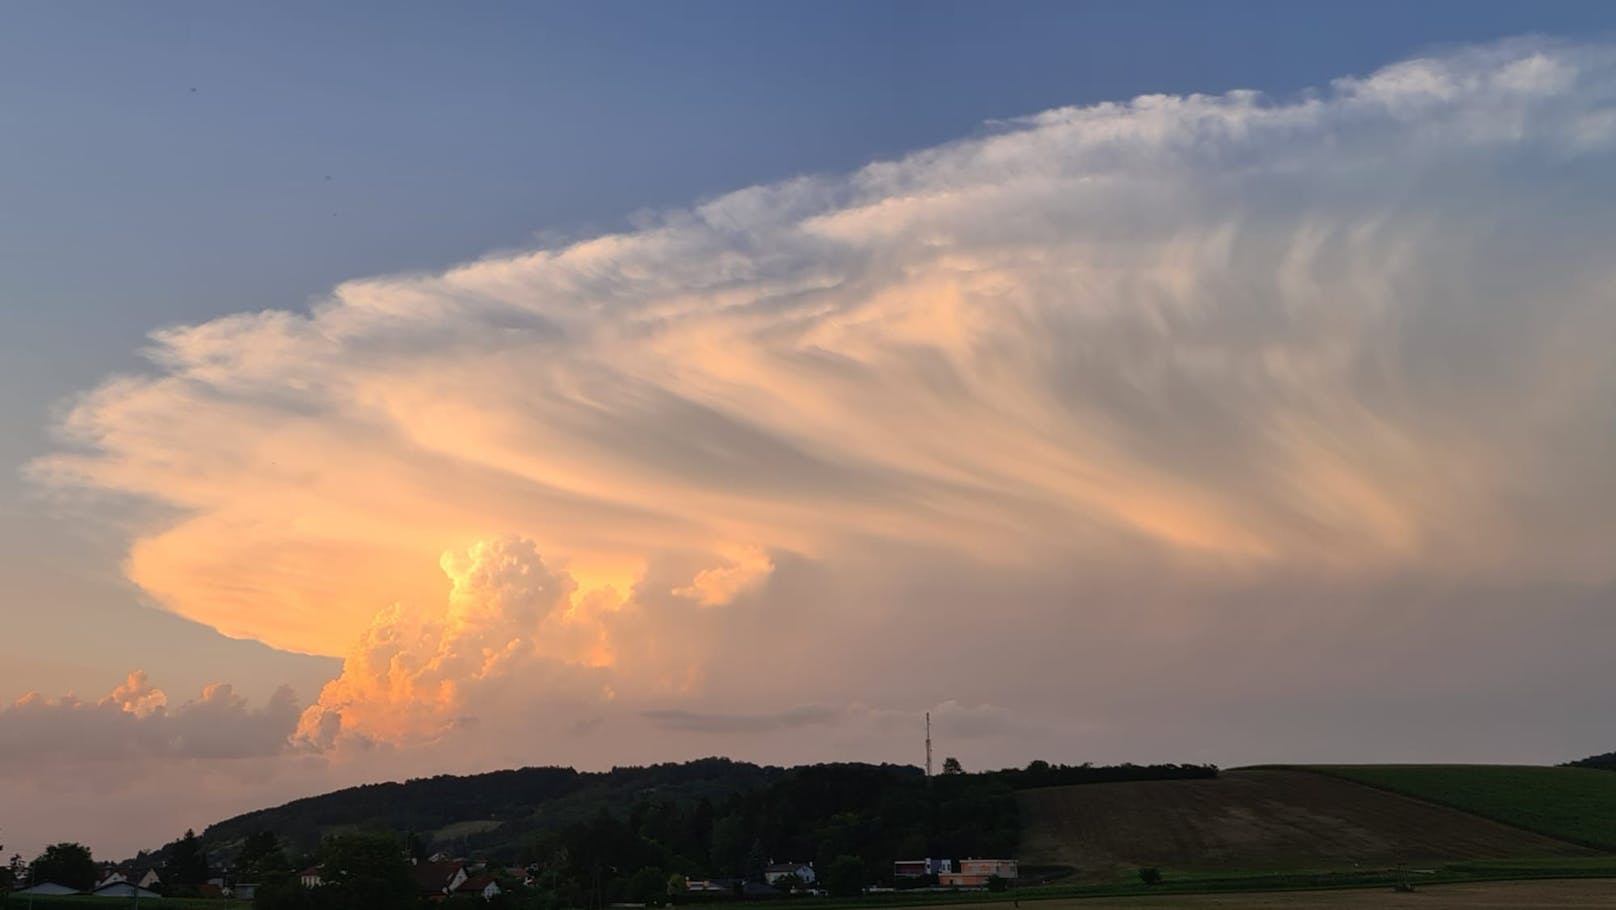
column 1256, row 821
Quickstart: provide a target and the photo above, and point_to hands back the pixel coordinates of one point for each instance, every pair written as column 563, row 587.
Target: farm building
column 976, row 873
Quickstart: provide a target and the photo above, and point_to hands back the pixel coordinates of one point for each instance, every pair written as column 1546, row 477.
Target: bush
column 1150, row 875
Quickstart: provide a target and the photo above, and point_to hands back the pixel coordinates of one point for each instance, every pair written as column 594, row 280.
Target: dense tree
column 260, row 855
column 951, row 765
column 368, row 871
column 280, row 890
column 67, row 864
column 728, row 849
column 648, row 886
column 845, row 877
column 705, row 819
column 187, row 863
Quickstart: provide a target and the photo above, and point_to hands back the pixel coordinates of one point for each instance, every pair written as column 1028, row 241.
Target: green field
column 1559, row 894
column 1572, row 804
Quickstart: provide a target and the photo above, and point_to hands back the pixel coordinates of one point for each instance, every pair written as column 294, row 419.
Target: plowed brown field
column 1257, row 821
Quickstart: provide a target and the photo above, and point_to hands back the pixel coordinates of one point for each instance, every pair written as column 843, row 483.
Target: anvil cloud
column 1204, row 388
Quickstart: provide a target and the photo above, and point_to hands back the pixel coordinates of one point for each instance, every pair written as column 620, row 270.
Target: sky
column 401, row 389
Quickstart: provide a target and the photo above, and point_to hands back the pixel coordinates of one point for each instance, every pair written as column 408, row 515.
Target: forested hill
column 483, row 811
column 712, row 816
column 1604, row 761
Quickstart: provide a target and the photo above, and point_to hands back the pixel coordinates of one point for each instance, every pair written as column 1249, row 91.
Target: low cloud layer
column 1121, row 417
column 698, row 722
column 136, row 722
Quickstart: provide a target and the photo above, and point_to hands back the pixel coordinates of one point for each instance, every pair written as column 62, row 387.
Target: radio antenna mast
column 928, row 744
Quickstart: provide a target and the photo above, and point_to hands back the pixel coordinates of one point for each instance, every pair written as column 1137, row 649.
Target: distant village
column 710, row 830
column 440, row 876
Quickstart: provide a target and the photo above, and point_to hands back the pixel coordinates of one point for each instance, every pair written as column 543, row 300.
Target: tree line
column 630, row 835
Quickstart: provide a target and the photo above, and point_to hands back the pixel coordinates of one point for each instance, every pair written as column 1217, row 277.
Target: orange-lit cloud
column 1227, row 339
column 415, row 671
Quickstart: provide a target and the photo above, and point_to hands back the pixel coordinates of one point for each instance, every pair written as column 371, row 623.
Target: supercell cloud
column 1181, row 404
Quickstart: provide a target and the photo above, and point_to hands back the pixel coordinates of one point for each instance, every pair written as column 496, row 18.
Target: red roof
column 432, row 878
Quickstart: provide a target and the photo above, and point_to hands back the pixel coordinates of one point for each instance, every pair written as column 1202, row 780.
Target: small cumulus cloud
column 721, row 584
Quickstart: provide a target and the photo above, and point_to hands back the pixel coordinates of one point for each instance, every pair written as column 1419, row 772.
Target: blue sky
column 184, row 149
column 187, row 146
column 174, row 163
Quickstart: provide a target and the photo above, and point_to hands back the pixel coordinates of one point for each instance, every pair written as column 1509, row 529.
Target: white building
column 124, row 889
column 776, row 871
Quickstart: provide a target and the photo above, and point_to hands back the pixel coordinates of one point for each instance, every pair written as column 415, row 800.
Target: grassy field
column 1255, row 821
column 1544, row 895
column 1573, row 804
column 460, row 830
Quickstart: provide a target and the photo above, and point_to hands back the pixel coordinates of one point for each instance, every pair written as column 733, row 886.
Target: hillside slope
column 1257, row 820
column 487, row 812
column 1574, row 804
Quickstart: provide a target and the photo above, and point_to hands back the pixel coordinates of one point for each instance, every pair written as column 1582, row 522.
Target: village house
column 144, row 878
column 125, row 889
column 777, row 871
column 482, row 885
column 310, row 877
column 435, row 878
column 920, row 868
